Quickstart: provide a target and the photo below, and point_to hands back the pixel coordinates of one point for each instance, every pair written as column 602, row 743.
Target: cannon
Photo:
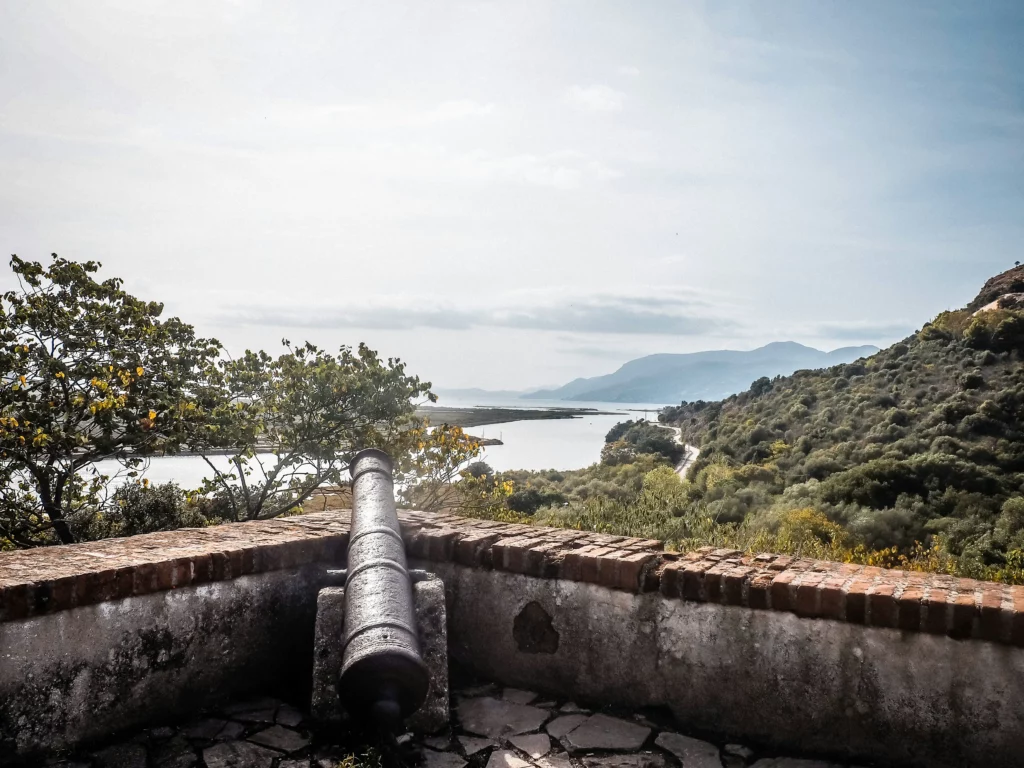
column 383, row 675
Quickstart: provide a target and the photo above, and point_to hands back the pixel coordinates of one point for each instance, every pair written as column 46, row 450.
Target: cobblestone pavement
column 492, row 727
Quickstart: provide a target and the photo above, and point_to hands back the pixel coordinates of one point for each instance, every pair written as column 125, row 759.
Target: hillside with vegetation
column 920, row 446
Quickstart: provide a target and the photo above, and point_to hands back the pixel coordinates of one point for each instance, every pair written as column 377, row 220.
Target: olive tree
column 87, row 372
column 291, row 423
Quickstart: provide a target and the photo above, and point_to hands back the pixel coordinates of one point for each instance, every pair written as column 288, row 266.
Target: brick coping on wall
column 50, row 579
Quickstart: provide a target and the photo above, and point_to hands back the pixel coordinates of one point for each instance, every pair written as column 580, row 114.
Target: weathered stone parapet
column 40, row 581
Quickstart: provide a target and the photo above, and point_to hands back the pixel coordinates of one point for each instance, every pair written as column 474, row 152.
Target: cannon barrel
column 382, row 672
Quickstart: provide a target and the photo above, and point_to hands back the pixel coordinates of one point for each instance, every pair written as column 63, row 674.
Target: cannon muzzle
column 382, row 672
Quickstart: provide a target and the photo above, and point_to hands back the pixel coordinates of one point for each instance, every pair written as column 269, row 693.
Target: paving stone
column 283, row 739
column 571, row 708
column 504, row 758
column 604, row 732
column 517, row 696
column 440, row 743
column 791, row 762
column 494, row 717
column 303, row 763
column 251, row 705
column 692, row 753
column 289, row 716
column 471, row 746
column 231, row 731
column 534, row 744
column 553, row 761
column 642, row 760
column 487, row 689
column 562, row 725
column 122, row 756
column 161, row 733
column 66, row 764
column 207, row 728
column 733, row 761
column 174, row 753
column 239, row 754
column 204, row 729
column 432, row 759
column 546, row 704
column 256, row 716
column 738, row 750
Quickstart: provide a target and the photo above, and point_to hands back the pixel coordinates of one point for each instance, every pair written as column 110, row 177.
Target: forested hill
column 921, row 442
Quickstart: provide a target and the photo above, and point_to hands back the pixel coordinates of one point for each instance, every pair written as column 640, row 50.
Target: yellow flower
column 21, row 379
column 152, row 415
column 59, row 374
column 145, row 482
column 139, row 371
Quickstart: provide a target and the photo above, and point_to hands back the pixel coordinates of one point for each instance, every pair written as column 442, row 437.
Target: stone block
column 431, row 626
column 330, row 627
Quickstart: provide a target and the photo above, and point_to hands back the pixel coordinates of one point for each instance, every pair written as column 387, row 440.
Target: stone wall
column 854, row 661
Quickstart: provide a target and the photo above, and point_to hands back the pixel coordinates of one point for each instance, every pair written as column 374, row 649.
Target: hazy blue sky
column 514, row 194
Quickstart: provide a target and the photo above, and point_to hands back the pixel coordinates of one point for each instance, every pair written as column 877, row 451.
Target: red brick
column 145, row 579
column 781, row 563
column 713, row 581
column 542, row 556
column 782, row 591
column 757, row 592
column 441, row 544
column 124, row 581
column 832, row 599
column 671, row 579
column 857, row 601
column 732, row 584
column 1016, row 618
column 632, row 569
column 807, row 594
column 572, row 563
column 910, row 609
column 15, row 602
column 882, row 605
column 693, row 580
column 470, row 549
column 937, row 618
column 589, row 564
column 63, row 592
column 651, row 544
column 417, row 545
column 990, row 624
column 97, row 587
column 964, row 611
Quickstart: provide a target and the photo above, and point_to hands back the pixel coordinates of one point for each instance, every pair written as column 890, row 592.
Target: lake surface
column 537, row 444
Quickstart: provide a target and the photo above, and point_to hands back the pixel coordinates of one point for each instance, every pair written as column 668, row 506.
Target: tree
column 87, row 372
column 291, row 423
column 440, row 474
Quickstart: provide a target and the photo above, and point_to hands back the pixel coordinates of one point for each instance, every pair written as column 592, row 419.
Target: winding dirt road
column 690, row 452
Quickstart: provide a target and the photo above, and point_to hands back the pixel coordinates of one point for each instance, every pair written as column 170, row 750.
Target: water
column 538, row 444
column 553, row 443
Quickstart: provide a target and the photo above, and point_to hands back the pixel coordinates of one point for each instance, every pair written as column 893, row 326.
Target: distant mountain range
column 674, row 378
column 698, row 375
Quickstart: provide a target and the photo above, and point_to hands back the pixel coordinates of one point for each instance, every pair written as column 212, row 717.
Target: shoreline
column 480, row 415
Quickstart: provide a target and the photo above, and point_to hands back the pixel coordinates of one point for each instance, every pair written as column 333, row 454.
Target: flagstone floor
column 492, row 727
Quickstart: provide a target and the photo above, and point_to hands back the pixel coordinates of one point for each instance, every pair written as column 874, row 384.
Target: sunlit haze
column 510, row 195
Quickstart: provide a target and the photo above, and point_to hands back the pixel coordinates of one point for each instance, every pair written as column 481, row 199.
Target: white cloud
column 628, row 71
column 457, row 110
column 597, row 98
